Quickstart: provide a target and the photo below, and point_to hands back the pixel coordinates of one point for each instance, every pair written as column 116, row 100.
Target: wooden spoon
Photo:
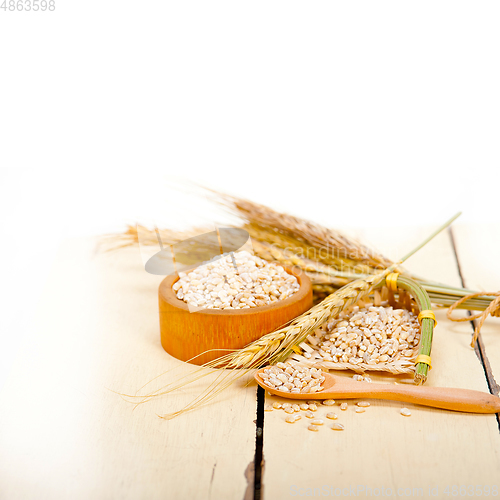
column 438, row 397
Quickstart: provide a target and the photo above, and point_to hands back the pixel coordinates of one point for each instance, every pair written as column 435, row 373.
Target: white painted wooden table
column 64, row 433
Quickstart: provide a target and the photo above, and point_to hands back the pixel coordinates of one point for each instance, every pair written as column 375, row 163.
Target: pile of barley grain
column 245, row 282
column 368, row 336
column 313, row 410
column 310, row 408
column 292, row 377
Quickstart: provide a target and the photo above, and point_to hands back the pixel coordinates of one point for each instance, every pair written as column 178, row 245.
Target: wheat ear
column 271, row 236
column 337, row 244
column 291, row 259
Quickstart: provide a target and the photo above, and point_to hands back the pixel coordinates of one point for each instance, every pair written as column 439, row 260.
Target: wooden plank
column 380, row 448
column 478, row 250
column 65, row 434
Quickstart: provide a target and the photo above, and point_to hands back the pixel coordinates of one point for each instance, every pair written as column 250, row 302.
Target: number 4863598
column 27, row 5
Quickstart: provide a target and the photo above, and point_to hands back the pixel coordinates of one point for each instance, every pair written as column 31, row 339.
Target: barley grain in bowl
column 206, row 331
column 239, row 280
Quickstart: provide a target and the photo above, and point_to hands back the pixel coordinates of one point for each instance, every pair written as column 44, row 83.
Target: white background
column 349, row 113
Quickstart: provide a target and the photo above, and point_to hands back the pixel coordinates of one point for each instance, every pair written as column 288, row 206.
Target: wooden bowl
column 186, row 334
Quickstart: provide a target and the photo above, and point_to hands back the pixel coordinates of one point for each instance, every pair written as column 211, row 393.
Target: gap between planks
column 259, row 444
column 479, row 348
column 254, row 470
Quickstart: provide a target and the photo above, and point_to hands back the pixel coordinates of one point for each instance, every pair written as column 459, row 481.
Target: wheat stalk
column 270, row 244
column 343, row 249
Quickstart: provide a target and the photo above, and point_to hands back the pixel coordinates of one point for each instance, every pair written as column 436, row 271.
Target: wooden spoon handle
column 439, row 397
